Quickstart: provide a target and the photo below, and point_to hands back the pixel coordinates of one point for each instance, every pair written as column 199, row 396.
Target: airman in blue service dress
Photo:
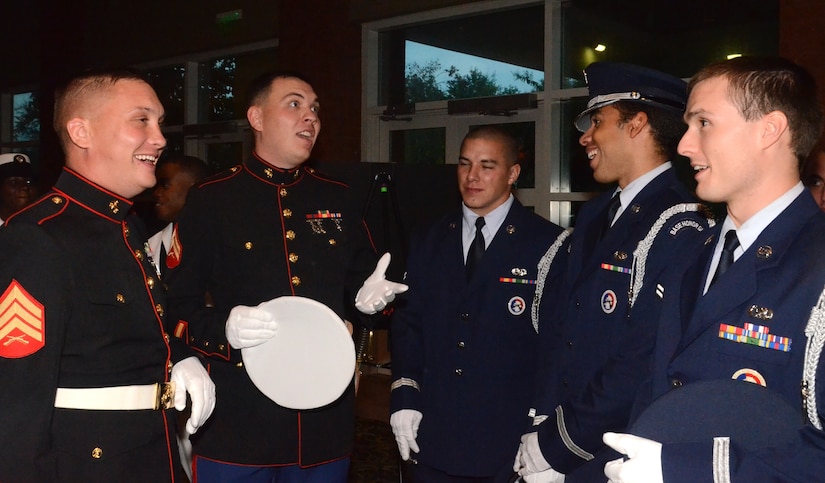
column 593, row 359
column 87, row 312
column 246, row 236
column 751, row 325
column 468, row 349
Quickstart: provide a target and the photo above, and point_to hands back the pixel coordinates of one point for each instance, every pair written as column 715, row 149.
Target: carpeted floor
column 375, row 459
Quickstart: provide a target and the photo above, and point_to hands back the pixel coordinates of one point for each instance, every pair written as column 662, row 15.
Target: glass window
column 223, row 82
column 168, row 83
column 493, row 54
column 418, row 146
column 679, row 39
column 26, row 122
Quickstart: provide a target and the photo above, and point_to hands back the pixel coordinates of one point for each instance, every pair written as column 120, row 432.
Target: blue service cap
column 610, row 82
column 15, row 165
column 751, row 415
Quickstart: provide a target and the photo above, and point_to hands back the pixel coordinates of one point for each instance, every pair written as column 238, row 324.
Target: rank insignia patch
column 22, row 323
column 175, row 251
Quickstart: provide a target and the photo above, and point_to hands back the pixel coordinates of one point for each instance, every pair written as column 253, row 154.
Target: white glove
column 249, row 326
column 377, row 291
column 548, row 476
column 404, row 424
column 643, row 463
column 529, row 458
column 190, row 376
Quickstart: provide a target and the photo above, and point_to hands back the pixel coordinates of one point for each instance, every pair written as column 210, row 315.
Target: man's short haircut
column 74, row 96
column 666, row 127
column 260, row 88
column 760, row 85
column 193, row 165
column 512, row 148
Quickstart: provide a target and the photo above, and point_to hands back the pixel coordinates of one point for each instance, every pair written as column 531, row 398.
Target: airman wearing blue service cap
column 594, row 359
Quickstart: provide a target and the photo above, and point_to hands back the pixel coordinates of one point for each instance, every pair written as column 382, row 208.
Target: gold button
column 97, row 453
column 293, row 257
column 159, row 309
column 57, row 200
column 206, row 343
column 268, row 172
column 296, row 281
column 120, row 298
column 248, row 245
column 332, row 241
column 139, row 254
column 221, row 347
column 169, row 366
column 126, row 231
column 166, row 337
column 113, row 206
column 287, row 212
column 240, row 364
column 150, row 282
column 290, row 235
column 282, row 192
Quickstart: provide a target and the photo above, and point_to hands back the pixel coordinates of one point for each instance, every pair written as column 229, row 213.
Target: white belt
column 117, row 398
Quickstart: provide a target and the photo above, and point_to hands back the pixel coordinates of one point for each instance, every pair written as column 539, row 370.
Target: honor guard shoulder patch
column 22, row 323
column 175, row 251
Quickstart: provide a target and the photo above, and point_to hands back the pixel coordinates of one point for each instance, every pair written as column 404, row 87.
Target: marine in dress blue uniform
column 592, row 358
column 246, row 236
column 761, row 320
column 83, row 318
column 464, row 350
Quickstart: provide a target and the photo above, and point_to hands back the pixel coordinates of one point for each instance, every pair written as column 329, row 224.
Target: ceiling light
column 600, row 48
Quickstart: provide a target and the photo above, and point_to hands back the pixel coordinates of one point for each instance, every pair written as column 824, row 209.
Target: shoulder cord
column 544, row 268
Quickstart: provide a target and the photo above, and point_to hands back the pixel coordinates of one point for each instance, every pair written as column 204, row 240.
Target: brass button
column 332, row 241
column 120, row 298
column 240, row 364
column 458, row 372
column 57, row 200
column 206, row 343
column 282, row 192
column 150, row 282
column 97, row 453
column 126, row 231
column 290, row 235
column 169, row 366
column 296, row 281
column 113, row 206
column 166, row 337
column 159, row 309
column 139, row 254
column 268, row 172
column 293, row 257
column 221, row 347
column 248, row 245
column 287, row 213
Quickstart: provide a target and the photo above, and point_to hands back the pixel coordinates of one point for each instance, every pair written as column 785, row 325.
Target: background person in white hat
column 17, row 188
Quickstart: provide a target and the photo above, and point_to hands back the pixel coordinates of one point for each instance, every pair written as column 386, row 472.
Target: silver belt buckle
column 164, row 395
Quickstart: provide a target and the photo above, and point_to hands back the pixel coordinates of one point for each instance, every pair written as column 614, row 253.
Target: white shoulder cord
column 544, row 268
column 815, row 331
column 637, row 273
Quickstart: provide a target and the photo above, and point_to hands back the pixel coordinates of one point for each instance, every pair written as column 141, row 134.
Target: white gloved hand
column 643, row 463
column 190, row 377
column 547, row 476
column 405, row 424
column 249, row 326
column 529, row 459
column 377, row 291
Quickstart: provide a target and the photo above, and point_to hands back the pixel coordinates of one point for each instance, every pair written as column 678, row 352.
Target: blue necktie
column 476, row 249
column 726, row 258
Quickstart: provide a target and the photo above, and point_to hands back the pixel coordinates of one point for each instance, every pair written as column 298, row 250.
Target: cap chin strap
column 618, row 96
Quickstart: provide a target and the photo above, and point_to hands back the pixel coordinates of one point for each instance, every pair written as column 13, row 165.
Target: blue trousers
column 208, row 471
